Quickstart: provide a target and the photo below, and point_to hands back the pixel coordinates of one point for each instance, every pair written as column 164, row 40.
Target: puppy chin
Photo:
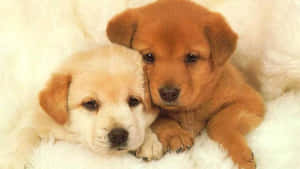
column 122, row 150
column 100, row 150
column 107, row 149
column 169, row 106
column 166, row 105
column 172, row 107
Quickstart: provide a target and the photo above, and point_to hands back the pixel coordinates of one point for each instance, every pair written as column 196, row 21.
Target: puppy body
column 221, row 97
column 186, row 49
column 96, row 98
column 226, row 113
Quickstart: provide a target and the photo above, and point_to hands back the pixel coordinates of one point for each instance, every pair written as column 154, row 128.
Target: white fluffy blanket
column 36, row 35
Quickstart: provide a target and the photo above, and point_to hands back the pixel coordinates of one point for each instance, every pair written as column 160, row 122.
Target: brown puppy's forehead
column 173, row 10
column 171, row 39
column 170, row 30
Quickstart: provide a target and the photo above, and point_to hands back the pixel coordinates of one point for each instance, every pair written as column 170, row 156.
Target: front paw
column 177, row 140
column 246, row 160
column 151, row 149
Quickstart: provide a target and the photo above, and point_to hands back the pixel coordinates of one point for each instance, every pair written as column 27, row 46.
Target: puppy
column 186, row 49
column 96, row 98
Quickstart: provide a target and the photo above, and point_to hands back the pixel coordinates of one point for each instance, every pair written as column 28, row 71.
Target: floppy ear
column 149, row 106
column 53, row 99
column 121, row 28
column 221, row 38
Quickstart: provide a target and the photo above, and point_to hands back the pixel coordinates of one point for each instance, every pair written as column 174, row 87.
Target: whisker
column 100, row 139
column 100, row 142
column 99, row 147
column 130, row 126
column 101, row 131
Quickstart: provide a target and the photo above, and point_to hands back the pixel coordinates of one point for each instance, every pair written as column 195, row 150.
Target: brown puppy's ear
column 222, row 40
column 121, row 28
column 53, row 99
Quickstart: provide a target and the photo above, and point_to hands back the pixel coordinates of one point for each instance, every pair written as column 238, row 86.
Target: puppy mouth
column 120, row 149
column 169, row 105
column 110, row 149
column 164, row 104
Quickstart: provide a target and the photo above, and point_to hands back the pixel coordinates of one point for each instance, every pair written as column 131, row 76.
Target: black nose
column 169, row 94
column 118, row 137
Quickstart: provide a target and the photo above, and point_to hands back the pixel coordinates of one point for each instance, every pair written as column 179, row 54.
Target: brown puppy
column 186, row 49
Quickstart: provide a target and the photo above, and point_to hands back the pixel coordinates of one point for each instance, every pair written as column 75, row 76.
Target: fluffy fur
column 37, row 35
column 268, row 56
column 212, row 93
column 83, row 103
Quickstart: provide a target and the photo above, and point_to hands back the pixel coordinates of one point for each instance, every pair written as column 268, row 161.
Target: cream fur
column 36, row 35
column 115, row 65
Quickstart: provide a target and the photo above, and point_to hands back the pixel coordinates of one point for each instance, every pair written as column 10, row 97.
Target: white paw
column 151, row 149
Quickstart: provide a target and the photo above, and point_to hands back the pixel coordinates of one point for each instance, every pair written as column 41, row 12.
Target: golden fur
column 53, row 98
column 108, row 75
column 213, row 94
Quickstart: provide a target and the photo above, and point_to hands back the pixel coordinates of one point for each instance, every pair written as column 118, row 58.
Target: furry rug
column 275, row 145
column 36, row 35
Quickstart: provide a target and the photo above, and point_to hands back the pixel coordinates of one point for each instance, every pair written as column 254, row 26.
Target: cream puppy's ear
column 53, row 99
column 149, row 106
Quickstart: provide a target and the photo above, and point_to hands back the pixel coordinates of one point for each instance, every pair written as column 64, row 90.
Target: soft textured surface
column 275, row 144
column 36, row 35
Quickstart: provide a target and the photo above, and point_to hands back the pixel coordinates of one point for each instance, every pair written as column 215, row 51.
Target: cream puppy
column 97, row 98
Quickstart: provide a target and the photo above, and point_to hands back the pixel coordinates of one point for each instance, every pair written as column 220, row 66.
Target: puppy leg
column 228, row 128
column 172, row 135
column 151, row 149
column 18, row 148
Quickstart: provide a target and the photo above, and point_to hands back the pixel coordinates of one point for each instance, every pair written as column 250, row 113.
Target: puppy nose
column 118, row 137
column 169, row 94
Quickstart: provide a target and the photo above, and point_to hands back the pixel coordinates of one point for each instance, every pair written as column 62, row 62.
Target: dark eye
column 132, row 101
column 191, row 58
column 148, row 58
column 91, row 105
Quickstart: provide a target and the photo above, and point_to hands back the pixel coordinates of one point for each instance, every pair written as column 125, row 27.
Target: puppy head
column 99, row 96
column 184, row 47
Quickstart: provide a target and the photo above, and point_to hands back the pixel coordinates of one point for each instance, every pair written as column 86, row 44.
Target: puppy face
column 184, row 47
column 99, row 96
